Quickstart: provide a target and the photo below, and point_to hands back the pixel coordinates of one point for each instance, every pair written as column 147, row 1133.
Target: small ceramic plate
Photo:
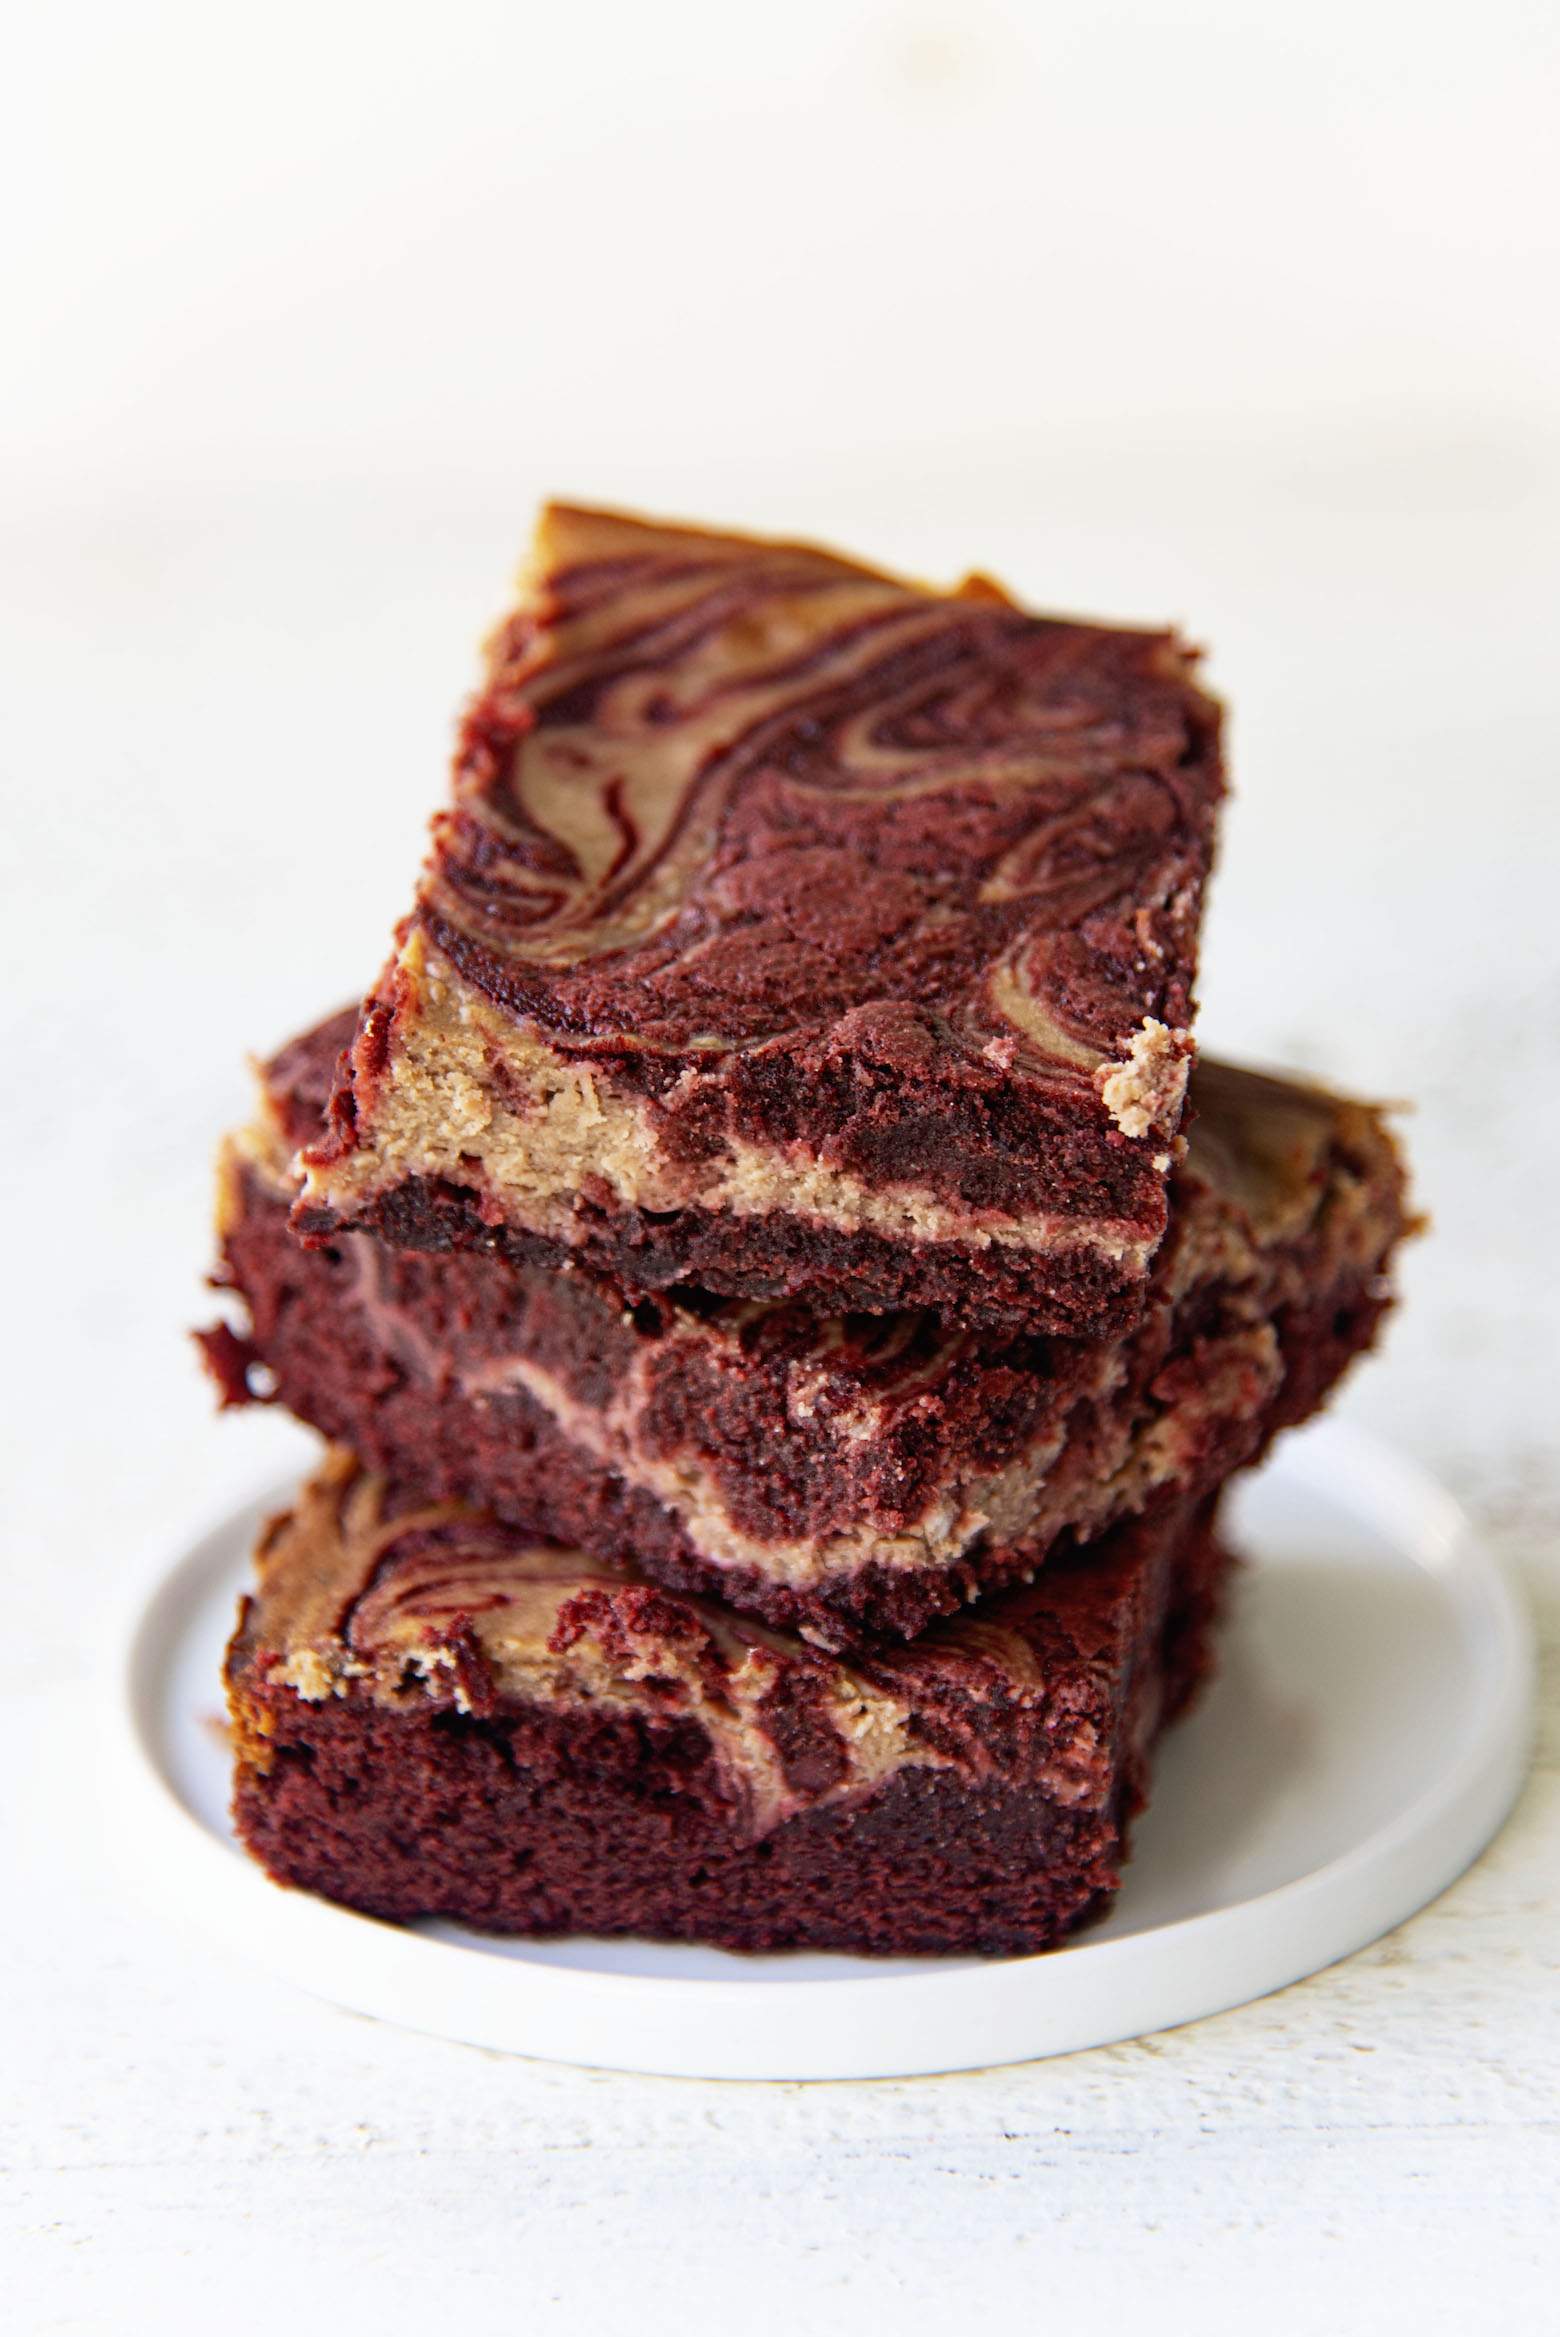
column 1365, row 1738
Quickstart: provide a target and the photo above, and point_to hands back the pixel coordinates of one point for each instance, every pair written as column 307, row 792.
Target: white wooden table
column 228, row 724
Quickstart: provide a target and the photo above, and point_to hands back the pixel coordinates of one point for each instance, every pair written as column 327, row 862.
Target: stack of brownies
column 781, row 1300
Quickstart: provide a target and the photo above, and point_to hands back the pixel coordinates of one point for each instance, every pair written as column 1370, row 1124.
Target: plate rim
column 963, row 2015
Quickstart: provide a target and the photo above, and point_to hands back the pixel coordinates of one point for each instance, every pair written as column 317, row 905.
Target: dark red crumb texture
column 384, row 1350
column 521, row 1818
column 834, row 1270
column 507, row 1452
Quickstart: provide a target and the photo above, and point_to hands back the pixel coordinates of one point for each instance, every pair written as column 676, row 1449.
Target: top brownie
column 795, row 932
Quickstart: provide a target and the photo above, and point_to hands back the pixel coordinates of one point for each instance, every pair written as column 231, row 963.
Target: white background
column 1242, row 317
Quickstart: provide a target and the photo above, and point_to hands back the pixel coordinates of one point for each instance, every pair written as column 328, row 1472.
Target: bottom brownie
column 435, row 1716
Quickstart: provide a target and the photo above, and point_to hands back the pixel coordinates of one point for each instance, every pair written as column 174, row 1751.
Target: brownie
column 434, row 1716
column 797, row 933
column 842, row 1477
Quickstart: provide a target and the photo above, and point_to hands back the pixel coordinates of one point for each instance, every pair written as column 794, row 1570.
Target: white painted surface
column 285, row 383
column 227, row 718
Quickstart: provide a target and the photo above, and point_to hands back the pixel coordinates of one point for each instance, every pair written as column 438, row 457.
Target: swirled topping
column 716, row 789
column 444, row 1601
column 445, row 1605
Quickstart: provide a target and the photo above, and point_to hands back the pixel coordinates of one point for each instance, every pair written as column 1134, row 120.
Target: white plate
column 1366, row 1737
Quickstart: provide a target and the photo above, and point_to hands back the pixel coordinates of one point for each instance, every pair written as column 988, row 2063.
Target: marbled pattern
column 714, row 788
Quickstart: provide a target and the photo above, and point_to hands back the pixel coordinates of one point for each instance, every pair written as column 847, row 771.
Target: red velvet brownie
column 435, row 1717
column 849, row 1476
column 795, row 933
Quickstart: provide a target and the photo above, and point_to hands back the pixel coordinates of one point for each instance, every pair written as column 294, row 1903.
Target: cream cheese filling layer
column 437, row 1112
column 1005, row 1505
column 1058, row 1481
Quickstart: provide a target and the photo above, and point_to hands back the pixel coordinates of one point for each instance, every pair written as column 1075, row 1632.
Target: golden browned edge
column 570, row 535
